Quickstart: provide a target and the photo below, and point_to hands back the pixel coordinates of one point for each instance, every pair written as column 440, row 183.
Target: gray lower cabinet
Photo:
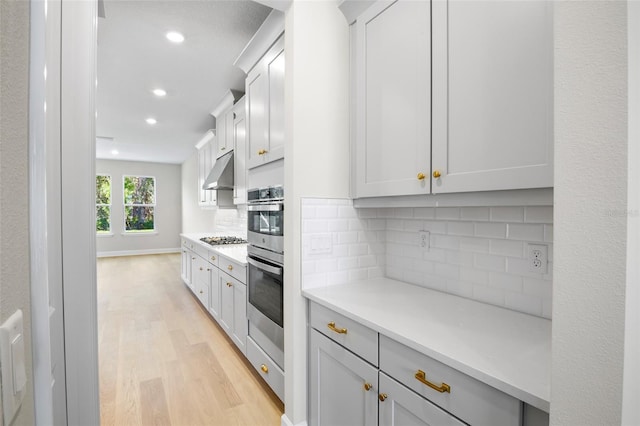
column 401, row 406
column 342, row 386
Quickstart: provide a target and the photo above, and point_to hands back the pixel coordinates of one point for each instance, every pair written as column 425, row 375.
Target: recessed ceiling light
column 159, row 92
column 175, row 37
column 114, row 152
column 151, row 120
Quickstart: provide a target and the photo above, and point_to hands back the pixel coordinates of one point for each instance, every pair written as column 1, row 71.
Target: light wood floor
column 163, row 360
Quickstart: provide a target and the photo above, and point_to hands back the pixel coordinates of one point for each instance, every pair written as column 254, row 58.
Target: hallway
column 163, row 360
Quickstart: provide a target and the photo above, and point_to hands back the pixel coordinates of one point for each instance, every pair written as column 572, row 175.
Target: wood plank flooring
column 163, row 360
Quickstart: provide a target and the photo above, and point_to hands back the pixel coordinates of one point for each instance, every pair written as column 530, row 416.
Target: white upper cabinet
column 224, row 122
column 393, row 99
column 206, row 158
column 265, row 107
column 239, row 134
column 452, row 96
column 492, row 95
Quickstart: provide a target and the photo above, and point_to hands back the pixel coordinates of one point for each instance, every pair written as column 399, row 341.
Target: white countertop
column 505, row 349
column 235, row 252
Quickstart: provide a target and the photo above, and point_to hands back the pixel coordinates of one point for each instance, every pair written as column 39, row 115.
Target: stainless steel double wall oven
column 265, row 234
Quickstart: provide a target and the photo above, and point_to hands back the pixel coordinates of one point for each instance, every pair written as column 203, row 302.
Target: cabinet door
column 492, row 95
column 393, row 113
column 226, row 302
column 343, row 388
column 401, row 406
column 186, row 266
column 265, row 108
column 192, row 268
column 214, row 293
column 201, row 280
column 240, row 154
column 203, row 162
column 240, row 324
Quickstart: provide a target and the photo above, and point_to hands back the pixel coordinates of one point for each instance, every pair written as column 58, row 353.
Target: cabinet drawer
column 233, row 268
column 261, row 362
column 200, row 250
column 468, row 399
column 359, row 339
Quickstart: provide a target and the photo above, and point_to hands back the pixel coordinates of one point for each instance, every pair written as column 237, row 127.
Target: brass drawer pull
column 229, row 284
column 382, row 397
column 201, row 268
column 332, row 327
column 264, row 368
column 422, row 378
column 367, row 386
column 213, row 258
column 230, row 267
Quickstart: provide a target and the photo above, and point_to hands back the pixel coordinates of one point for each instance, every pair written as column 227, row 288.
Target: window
column 103, row 204
column 139, row 203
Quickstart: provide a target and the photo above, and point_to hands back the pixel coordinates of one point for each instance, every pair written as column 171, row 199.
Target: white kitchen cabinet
column 492, row 95
column 393, row 83
column 185, row 264
column 240, row 152
column 206, row 147
column 452, row 96
column 265, row 107
column 201, row 284
column 343, row 388
column 233, row 310
column 213, row 305
column 223, row 113
column 400, row 406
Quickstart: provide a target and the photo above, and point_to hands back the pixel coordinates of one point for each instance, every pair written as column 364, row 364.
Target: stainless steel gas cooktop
column 216, row 241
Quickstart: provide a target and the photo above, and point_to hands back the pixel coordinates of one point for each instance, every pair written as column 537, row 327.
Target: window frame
column 110, row 205
column 125, row 205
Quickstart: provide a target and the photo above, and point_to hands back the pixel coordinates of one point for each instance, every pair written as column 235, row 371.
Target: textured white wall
column 631, row 389
column 168, row 210
column 316, row 156
column 14, row 178
column 590, row 212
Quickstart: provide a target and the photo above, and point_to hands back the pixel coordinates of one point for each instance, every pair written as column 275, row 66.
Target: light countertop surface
column 235, row 252
column 505, row 349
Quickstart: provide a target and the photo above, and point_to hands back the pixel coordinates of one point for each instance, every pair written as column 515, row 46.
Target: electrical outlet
column 423, row 240
column 537, row 256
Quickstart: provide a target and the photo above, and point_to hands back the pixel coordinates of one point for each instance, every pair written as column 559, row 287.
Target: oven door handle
column 260, row 265
column 266, row 207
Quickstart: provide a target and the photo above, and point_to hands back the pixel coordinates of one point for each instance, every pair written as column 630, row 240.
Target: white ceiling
column 134, row 57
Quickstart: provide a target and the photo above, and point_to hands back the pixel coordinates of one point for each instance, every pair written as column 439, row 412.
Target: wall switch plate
column 321, row 244
column 537, row 255
column 423, row 240
column 12, row 363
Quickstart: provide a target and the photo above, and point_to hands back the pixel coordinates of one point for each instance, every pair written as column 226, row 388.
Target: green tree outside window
column 103, row 204
column 139, row 203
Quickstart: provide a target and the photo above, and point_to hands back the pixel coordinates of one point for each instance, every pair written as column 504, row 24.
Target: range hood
column 221, row 175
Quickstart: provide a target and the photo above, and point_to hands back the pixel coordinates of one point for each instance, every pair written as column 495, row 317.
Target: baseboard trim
column 284, row 421
column 136, row 252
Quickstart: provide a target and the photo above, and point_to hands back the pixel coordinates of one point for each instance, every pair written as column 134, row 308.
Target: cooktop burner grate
column 216, row 241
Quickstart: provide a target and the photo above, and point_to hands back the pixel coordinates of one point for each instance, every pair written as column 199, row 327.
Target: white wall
column 168, row 210
column 208, row 219
column 316, row 157
column 631, row 388
column 590, row 212
column 14, row 179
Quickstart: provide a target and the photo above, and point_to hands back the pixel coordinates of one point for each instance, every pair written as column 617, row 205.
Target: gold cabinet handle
column 193, row 258
column 436, row 174
column 213, row 258
column 382, row 396
column 332, row 327
column 208, row 269
column 367, row 386
column 230, row 267
column 229, row 284
column 262, row 152
column 223, row 148
column 422, row 378
column 200, row 291
column 264, row 368
column 201, row 268
column 421, row 176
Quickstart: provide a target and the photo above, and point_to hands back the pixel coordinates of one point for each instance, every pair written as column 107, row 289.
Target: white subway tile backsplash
column 447, row 213
column 478, row 214
column 474, row 252
column 490, row 262
column 507, row 248
column 525, row 232
column 538, row 214
column 490, row 230
column 460, row 228
column 507, row 214
column 424, row 213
